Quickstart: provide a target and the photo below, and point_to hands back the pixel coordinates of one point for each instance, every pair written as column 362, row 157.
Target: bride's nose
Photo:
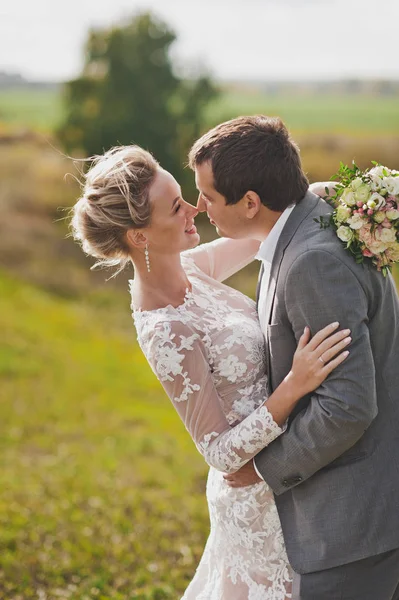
column 193, row 210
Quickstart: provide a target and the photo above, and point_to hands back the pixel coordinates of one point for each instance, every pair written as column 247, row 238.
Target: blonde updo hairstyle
column 115, row 199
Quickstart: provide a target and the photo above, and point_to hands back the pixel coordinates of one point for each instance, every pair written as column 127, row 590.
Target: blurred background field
column 102, row 489
column 305, row 110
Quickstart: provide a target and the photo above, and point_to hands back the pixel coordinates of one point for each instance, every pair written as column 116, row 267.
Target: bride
column 203, row 342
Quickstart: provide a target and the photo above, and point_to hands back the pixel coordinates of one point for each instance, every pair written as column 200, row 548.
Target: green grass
column 103, row 492
column 36, row 109
column 102, row 489
column 349, row 114
column 314, row 113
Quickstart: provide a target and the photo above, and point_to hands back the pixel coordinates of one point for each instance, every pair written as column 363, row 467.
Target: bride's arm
column 178, row 357
column 320, row 188
column 224, row 256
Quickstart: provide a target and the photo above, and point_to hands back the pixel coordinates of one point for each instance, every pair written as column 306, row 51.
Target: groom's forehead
column 204, row 175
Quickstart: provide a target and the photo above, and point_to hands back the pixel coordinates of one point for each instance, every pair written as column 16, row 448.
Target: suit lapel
column 262, row 268
column 300, row 212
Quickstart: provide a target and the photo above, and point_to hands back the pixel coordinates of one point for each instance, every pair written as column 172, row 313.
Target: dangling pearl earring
column 147, row 258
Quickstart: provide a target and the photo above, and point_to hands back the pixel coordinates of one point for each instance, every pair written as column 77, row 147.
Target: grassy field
column 102, row 489
column 37, row 109
column 338, row 114
column 313, row 113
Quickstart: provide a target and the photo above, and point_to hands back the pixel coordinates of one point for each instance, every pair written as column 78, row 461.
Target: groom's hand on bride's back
column 244, row 477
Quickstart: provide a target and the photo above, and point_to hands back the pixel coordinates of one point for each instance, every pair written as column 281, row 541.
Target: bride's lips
column 192, row 230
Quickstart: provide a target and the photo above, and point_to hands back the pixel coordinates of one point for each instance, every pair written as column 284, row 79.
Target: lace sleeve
column 223, row 257
column 178, row 358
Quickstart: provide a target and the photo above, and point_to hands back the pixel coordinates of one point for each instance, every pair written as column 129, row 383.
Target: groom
column 335, row 472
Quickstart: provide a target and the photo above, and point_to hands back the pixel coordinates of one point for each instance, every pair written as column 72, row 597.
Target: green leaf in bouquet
column 385, row 270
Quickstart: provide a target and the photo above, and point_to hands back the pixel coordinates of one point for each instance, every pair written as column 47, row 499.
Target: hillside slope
column 102, row 489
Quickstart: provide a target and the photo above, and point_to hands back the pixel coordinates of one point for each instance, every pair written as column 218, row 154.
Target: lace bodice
column 209, row 355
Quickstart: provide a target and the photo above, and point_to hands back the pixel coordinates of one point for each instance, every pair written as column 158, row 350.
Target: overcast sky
column 261, row 39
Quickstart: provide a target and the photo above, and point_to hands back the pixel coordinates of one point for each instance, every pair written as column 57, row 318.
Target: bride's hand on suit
column 314, row 359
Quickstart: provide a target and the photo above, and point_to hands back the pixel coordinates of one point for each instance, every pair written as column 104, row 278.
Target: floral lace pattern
column 209, row 355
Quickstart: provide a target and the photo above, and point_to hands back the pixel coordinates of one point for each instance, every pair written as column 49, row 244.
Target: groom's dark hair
column 253, row 153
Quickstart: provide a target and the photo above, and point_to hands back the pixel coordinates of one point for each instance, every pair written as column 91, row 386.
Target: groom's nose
column 201, row 204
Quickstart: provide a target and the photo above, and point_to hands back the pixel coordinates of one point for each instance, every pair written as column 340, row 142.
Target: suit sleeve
column 320, row 289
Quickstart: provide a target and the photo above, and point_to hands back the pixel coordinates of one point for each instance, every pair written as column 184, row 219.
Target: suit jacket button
column 292, row 481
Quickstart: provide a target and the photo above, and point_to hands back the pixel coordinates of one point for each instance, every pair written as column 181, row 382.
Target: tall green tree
column 129, row 92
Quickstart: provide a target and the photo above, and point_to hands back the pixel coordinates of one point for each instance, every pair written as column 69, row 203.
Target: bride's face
column 172, row 228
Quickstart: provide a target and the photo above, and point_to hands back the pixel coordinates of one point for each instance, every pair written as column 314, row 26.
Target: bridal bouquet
column 366, row 214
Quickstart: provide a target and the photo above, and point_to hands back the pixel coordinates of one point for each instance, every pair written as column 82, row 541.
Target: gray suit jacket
column 335, row 472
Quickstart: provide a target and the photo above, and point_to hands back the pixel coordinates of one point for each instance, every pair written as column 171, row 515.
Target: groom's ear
column 136, row 238
column 252, row 203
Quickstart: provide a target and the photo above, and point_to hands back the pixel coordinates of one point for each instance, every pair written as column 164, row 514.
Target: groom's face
column 227, row 218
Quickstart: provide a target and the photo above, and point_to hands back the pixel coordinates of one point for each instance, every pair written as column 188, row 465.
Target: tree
column 128, row 93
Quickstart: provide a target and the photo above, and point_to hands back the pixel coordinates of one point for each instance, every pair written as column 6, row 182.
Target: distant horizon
column 222, row 79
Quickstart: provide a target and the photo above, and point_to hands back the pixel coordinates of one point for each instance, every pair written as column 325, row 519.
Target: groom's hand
column 245, row 476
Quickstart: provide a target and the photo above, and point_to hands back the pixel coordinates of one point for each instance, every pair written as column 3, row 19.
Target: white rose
column 362, row 193
column 393, row 214
column 348, row 197
column 379, row 216
column 391, row 184
column 376, row 185
column 356, row 183
column 379, row 171
column 345, row 233
column 356, row 222
column 393, row 251
column 376, row 247
column 385, row 235
column 378, row 200
column 343, row 213
column 376, row 175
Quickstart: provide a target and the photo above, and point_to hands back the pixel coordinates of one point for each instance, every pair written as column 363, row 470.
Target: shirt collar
column 268, row 246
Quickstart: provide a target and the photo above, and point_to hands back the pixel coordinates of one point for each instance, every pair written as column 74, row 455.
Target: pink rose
column 366, row 252
column 365, row 234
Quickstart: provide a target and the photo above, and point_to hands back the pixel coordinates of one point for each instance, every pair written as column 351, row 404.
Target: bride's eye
column 177, row 208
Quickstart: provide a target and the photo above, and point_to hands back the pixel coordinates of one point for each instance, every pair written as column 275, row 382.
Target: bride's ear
column 136, row 238
column 252, row 204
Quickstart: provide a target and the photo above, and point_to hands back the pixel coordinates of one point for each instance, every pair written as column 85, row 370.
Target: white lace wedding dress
column 209, row 355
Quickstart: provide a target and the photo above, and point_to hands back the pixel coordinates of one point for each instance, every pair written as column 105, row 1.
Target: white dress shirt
column 265, row 254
